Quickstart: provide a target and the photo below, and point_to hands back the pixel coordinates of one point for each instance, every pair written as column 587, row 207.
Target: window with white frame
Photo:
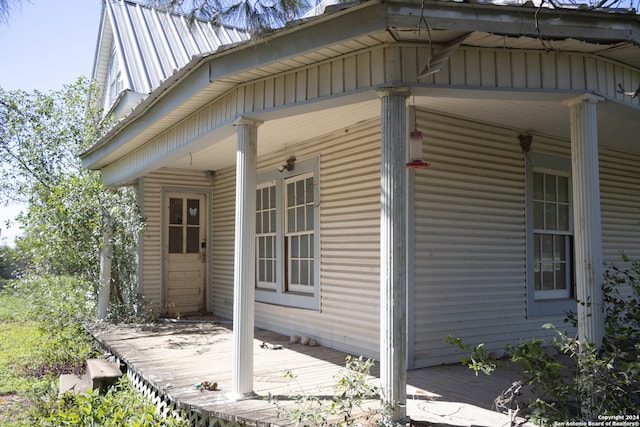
column 550, row 235
column 287, row 242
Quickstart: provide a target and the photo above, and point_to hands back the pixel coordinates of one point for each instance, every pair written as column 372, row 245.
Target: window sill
column 289, row 299
column 550, row 307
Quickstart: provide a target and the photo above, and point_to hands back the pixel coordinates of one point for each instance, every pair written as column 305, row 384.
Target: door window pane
column 175, row 240
column 193, row 240
column 175, row 211
column 193, row 212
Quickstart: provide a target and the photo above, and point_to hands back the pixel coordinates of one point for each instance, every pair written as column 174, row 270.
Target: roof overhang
column 356, row 27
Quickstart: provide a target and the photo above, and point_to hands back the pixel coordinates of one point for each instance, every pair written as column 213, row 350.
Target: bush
column 573, row 379
column 120, row 406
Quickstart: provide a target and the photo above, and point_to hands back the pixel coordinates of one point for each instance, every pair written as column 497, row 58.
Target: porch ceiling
column 544, row 114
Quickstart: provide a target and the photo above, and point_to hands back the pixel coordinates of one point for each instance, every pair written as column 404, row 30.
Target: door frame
column 207, row 192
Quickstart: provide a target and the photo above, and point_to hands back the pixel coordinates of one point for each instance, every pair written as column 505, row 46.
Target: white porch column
column 393, row 244
column 244, row 259
column 586, row 216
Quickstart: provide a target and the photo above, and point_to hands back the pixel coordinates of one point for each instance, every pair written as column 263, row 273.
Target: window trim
column 280, row 295
column 538, row 162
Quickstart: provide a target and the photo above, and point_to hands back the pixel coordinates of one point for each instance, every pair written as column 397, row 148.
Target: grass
column 24, row 346
column 41, row 337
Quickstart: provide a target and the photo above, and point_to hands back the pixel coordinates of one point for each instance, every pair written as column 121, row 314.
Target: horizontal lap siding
column 223, row 235
column 349, row 240
column 151, row 237
column 620, row 200
column 470, row 240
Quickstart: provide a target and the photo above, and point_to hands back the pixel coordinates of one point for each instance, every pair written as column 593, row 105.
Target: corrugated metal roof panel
column 154, row 43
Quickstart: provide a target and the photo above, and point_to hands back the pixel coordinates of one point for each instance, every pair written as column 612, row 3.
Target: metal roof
column 152, row 44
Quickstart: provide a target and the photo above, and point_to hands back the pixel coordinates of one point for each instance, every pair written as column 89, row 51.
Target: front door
column 185, row 253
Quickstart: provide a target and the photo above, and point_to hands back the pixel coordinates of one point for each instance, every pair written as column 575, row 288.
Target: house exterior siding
column 470, row 253
column 470, row 239
column 349, row 241
column 620, row 200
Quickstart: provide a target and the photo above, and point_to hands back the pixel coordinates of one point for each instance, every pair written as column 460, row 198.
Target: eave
column 353, row 29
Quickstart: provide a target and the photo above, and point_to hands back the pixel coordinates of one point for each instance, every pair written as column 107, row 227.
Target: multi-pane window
column 299, row 234
column 266, row 236
column 287, row 242
column 552, row 236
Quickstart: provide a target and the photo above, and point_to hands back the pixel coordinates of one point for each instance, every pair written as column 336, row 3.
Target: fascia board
column 153, row 108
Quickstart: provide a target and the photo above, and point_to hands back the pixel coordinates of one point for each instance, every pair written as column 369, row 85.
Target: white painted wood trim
column 587, row 216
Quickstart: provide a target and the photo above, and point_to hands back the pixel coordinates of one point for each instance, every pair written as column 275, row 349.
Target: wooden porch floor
column 171, row 358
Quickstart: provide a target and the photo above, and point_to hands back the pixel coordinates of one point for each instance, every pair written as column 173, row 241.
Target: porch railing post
column 244, row 259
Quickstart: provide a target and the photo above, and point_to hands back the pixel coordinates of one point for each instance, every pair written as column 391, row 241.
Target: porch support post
column 393, row 244
column 106, row 253
column 586, row 216
column 244, row 259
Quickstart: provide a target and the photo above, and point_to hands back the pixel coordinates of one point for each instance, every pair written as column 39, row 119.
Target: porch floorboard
column 174, row 357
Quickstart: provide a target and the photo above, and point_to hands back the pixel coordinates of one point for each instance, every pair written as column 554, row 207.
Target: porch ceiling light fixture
column 291, row 161
column 415, row 151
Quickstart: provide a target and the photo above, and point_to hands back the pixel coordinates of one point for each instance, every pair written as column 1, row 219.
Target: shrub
column 121, row 405
column 572, row 379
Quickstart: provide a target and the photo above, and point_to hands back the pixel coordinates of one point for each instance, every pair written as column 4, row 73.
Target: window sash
column 552, row 236
column 552, row 265
column 266, row 236
column 299, row 234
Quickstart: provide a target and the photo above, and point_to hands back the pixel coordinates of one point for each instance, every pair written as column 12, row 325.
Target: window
column 550, row 235
column 287, row 243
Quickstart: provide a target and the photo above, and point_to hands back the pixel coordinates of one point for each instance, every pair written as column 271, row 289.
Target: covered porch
column 167, row 360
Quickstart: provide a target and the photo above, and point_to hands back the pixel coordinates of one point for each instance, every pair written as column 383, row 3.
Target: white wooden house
column 533, row 141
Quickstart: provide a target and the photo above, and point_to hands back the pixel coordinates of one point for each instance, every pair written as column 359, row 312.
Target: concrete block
column 76, row 384
column 102, row 373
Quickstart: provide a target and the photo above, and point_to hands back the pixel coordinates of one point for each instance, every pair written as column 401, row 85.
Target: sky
column 44, row 45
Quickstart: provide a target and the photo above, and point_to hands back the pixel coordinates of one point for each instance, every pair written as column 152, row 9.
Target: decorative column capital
column 242, row 120
column 384, row 91
column 586, row 98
